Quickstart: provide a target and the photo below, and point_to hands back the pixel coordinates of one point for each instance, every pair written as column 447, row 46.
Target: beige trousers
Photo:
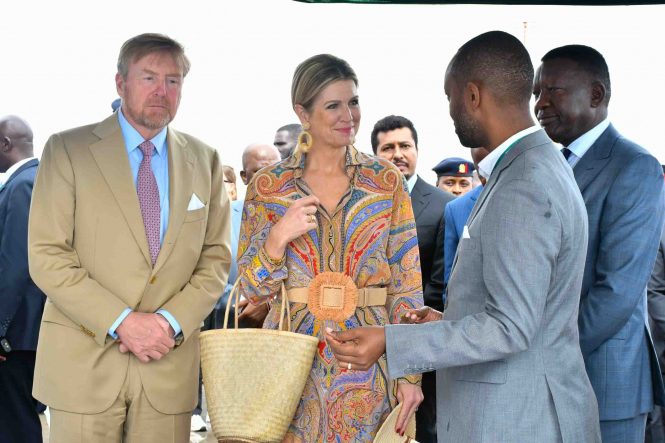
column 130, row 419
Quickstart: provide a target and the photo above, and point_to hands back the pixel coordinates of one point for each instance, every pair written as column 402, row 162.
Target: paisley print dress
column 371, row 237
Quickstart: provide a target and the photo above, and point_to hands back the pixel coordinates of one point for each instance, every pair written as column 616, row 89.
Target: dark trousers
column 655, row 432
column 426, row 413
column 19, row 421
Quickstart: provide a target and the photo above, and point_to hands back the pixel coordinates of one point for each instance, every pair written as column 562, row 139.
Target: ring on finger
column 348, row 366
column 312, row 218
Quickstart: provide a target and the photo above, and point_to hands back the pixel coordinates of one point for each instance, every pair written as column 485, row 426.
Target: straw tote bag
column 254, row 378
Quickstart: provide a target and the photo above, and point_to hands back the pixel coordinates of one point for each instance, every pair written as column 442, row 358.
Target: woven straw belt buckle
column 332, row 296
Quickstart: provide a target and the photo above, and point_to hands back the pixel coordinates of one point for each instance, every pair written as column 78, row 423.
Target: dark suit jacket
column 21, row 301
column 622, row 187
column 656, row 302
column 428, row 204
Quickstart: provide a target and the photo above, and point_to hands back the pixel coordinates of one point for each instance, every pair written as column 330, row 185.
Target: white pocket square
column 194, row 203
column 465, row 232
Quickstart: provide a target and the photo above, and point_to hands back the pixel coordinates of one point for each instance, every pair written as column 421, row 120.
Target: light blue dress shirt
column 160, row 168
column 582, row 144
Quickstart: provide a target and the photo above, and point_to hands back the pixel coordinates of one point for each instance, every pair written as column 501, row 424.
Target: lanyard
column 504, row 154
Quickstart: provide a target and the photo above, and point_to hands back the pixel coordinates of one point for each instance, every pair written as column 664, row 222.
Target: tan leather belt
column 366, row 296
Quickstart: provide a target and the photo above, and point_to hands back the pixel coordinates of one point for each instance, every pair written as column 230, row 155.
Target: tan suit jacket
column 89, row 254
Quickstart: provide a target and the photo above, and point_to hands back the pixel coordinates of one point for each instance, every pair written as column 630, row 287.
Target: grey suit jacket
column 509, row 363
column 622, row 187
column 428, row 204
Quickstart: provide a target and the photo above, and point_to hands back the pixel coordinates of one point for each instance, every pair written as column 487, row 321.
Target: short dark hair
column 144, row 44
column 499, row 61
column 390, row 123
column 294, row 129
column 588, row 59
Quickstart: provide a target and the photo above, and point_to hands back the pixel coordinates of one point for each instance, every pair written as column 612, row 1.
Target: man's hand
column 362, row 347
column 146, row 336
column 252, row 315
column 422, row 315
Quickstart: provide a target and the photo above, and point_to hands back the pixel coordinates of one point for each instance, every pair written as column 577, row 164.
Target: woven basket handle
column 235, row 293
column 286, row 310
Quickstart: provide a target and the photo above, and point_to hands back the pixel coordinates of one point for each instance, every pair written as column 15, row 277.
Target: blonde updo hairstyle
column 309, row 79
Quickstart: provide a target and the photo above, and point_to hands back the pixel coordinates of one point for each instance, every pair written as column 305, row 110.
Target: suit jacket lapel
column 531, row 140
column 111, row 158
column 418, row 201
column 181, row 183
column 595, row 158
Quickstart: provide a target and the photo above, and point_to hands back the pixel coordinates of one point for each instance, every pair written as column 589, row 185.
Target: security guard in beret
column 454, row 175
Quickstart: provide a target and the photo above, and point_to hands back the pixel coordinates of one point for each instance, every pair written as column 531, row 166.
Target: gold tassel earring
column 304, row 139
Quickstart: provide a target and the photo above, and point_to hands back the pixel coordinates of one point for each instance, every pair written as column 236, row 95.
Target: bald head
column 255, row 157
column 15, row 141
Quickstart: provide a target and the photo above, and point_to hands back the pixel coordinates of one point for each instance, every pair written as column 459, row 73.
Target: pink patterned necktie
column 148, row 193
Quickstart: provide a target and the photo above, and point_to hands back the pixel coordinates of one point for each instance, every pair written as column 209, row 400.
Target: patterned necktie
column 146, row 188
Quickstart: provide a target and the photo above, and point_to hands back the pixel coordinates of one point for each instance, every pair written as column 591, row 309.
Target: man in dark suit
column 21, row 302
column 622, row 187
column 656, row 305
column 394, row 138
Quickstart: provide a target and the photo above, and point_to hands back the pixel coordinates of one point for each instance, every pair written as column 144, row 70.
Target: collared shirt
column 160, row 168
column 411, row 182
column 13, row 168
column 581, row 145
column 159, row 165
column 487, row 165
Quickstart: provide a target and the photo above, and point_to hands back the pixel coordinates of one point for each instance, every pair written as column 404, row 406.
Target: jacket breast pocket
column 196, row 214
column 492, row 372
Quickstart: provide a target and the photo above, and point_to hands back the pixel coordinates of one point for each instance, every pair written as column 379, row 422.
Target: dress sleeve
column 405, row 290
column 260, row 276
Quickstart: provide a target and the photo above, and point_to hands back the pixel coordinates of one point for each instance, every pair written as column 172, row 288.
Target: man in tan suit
column 129, row 239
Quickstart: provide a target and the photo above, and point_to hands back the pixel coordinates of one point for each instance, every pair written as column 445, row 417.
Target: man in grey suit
column 622, row 186
column 508, row 356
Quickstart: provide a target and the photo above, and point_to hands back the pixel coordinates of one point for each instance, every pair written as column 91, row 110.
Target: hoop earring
column 305, row 139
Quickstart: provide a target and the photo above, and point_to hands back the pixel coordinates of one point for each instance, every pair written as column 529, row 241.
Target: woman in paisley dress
column 328, row 209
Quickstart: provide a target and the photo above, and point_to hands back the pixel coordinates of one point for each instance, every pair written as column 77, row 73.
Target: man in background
column 655, row 430
column 255, row 157
column 622, row 186
column 395, row 139
column 286, row 139
column 21, row 301
column 454, row 175
column 457, row 213
column 230, row 182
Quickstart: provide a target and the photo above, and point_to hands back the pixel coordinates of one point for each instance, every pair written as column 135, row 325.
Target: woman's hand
column 422, row 315
column 298, row 219
column 409, row 396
